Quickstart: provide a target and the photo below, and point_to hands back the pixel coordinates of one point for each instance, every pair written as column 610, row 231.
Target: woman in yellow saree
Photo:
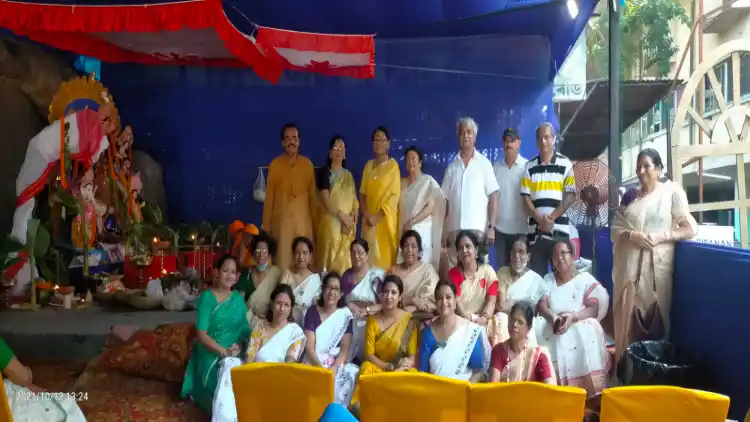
column 390, row 336
column 379, row 195
column 337, row 224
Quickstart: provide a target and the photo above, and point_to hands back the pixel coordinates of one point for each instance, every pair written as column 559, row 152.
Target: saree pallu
column 46, row 407
column 381, row 186
column 328, row 336
column 642, row 278
column 420, row 283
column 399, row 341
column 289, row 339
column 414, row 197
column 305, row 293
column 452, row 361
column 580, row 354
column 472, row 295
column 226, row 324
column 365, row 290
column 332, row 245
column 260, row 299
column 524, row 368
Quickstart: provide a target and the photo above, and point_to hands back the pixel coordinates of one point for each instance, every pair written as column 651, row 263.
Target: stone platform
column 74, row 334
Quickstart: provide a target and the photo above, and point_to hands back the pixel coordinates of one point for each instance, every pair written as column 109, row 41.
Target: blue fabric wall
column 212, row 128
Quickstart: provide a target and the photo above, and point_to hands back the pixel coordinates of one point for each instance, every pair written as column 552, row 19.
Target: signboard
column 716, row 235
column 570, row 81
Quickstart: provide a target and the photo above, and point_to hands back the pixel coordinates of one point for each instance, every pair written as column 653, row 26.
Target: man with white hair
column 471, row 190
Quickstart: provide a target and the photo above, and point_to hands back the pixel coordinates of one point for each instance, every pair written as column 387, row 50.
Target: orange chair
column 5, row 415
column 662, row 403
column 525, row 402
column 270, row 392
column 412, row 396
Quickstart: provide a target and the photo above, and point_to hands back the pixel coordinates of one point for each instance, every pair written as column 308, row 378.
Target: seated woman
column 570, row 309
column 277, row 338
column 221, row 325
column 419, row 277
column 452, row 346
column 476, row 282
column 328, row 329
column 28, row 402
column 360, row 285
column 260, row 280
column 304, row 283
column 391, row 335
column 516, row 359
column 516, row 283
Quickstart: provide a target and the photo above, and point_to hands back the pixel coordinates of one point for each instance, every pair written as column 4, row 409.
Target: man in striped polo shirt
column 548, row 189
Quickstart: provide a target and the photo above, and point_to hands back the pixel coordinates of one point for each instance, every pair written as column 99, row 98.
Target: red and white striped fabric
column 332, row 55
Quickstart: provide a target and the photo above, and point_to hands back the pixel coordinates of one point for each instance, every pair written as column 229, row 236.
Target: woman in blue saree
column 222, row 323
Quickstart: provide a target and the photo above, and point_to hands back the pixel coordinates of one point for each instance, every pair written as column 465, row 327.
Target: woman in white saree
column 644, row 234
column 328, row 329
column 422, row 207
column 361, row 284
column 452, row 346
column 571, row 308
column 516, row 283
column 277, row 338
column 304, row 283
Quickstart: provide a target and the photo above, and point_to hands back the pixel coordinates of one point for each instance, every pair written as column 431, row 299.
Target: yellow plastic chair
column 411, row 397
column 662, row 403
column 526, row 402
column 5, row 415
column 271, row 392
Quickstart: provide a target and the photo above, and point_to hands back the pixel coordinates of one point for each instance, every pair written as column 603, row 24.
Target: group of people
column 414, row 292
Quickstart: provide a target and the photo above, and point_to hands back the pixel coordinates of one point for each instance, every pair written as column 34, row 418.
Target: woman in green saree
column 222, row 324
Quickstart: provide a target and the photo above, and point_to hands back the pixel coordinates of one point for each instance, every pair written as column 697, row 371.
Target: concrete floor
column 75, row 334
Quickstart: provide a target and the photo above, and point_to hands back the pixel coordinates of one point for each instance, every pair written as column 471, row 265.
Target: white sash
column 527, row 288
column 365, row 290
column 452, row 361
column 275, row 349
column 224, row 407
column 328, row 335
column 47, row 407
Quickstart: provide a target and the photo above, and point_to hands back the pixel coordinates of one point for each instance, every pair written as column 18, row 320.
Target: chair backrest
column 412, row 396
column 269, row 392
column 662, row 403
column 5, row 414
column 526, row 402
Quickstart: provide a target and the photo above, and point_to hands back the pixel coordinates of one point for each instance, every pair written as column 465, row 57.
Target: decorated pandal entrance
column 78, row 173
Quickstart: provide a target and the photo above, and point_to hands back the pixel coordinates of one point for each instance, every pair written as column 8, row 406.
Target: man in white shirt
column 512, row 223
column 470, row 188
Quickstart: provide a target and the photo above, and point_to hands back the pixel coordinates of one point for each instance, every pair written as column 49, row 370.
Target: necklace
column 524, row 365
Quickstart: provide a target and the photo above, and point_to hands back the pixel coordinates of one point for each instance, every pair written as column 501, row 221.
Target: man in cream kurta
column 290, row 197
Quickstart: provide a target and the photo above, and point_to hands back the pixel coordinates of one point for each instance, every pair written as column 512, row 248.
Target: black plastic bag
column 657, row 363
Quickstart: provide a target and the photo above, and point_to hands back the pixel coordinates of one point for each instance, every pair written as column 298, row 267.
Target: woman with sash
column 452, row 346
column 516, row 359
column 379, row 197
column 391, row 335
column 328, row 329
column 304, row 283
column 337, row 226
column 361, row 284
column 259, row 281
column 475, row 281
column 516, row 283
column 419, row 277
column 571, row 308
column 645, row 231
column 422, row 207
column 277, row 338
column 220, row 328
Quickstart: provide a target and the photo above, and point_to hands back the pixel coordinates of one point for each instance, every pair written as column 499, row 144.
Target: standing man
column 513, row 221
column 290, row 196
column 471, row 190
column 548, row 189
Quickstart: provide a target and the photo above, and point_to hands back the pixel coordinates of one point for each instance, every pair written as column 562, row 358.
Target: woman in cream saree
column 304, row 283
column 260, row 280
column 644, row 234
column 338, row 218
column 422, row 207
column 275, row 339
column 391, row 335
column 419, row 277
column 379, row 196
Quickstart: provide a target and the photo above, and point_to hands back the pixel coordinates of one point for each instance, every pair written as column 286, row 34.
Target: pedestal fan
column 593, row 187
